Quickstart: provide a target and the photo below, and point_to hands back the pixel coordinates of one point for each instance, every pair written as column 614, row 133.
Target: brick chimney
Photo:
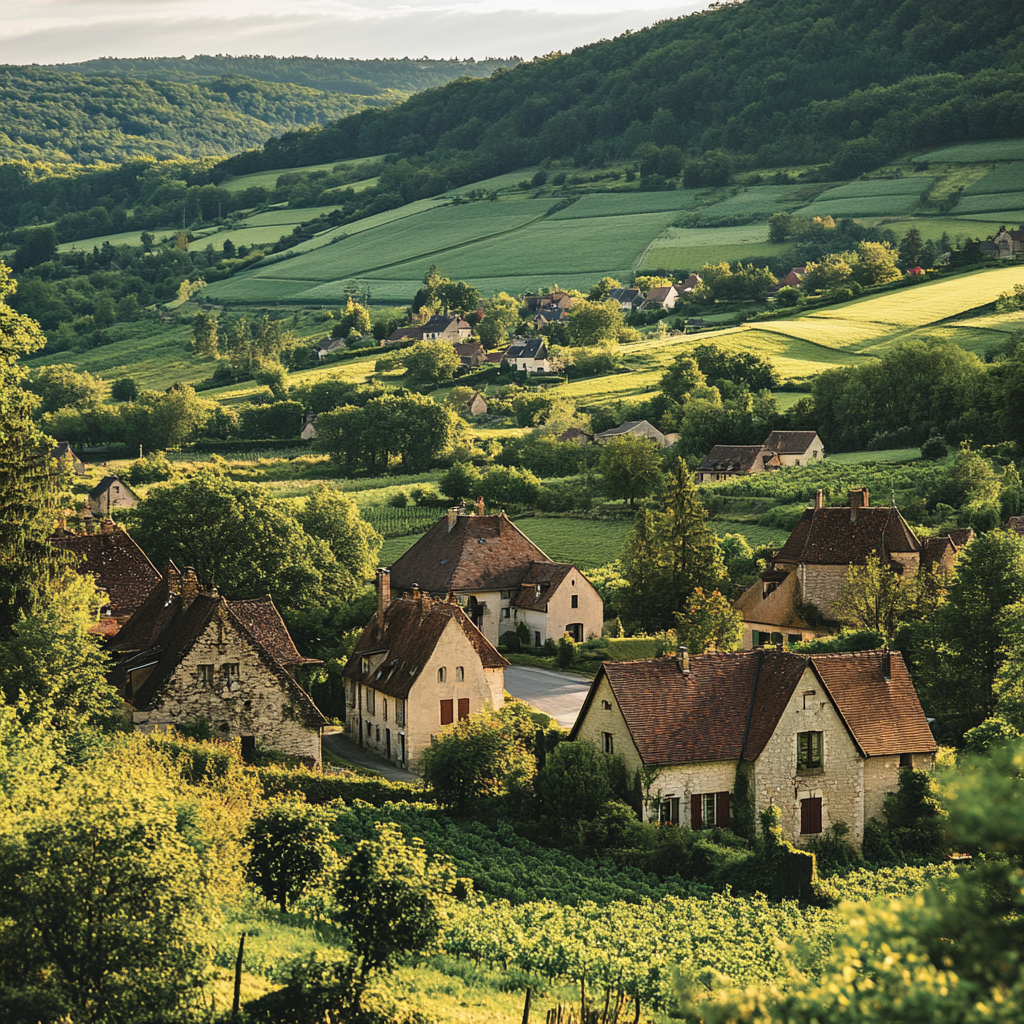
column 453, row 514
column 819, row 498
column 189, row 587
column 479, row 506
column 173, row 577
column 383, row 592
column 860, row 497
column 683, row 659
column 107, row 526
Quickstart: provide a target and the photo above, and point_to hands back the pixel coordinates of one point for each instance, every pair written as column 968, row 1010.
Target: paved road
column 338, row 743
column 556, row 693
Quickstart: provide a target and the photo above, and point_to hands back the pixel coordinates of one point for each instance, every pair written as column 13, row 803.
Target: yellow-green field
column 268, row 179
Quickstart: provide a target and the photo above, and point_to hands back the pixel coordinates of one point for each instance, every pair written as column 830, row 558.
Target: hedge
column 634, row 648
column 322, row 787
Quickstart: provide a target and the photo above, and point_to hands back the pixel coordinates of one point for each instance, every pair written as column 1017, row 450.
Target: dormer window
column 364, row 665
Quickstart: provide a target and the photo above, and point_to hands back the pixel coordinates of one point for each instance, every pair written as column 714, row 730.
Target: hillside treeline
column 777, row 81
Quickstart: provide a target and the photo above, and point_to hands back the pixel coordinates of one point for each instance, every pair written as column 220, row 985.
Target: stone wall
column 257, row 703
column 882, row 777
column 839, row 783
column 599, row 720
column 683, row 781
column 821, row 585
column 590, row 610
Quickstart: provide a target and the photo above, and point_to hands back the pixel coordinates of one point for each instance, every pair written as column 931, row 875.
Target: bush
column 399, row 500
column 934, row 448
column 510, row 641
column 567, row 653
column 832, row 849
column 321, row 788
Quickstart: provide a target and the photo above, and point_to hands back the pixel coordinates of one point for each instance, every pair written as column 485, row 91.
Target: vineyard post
column 236, row 1001
column 526, row 1006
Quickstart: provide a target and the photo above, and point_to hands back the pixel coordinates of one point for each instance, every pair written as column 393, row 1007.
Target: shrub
column 399, row 500
column 934, row 448
column 567, row 653
column 832, row 849
column 510, row 641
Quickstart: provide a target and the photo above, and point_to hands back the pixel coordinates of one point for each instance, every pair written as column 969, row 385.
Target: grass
column 283, row 216
column 1005, row 178
column 626, row 203
column 976, row 226
column 692, row 258
column 1009, row 322
column 878, row 187
column 862, row 206
column 763, row 200
column 756, row 536
column 587, row 543
column 838, row 334
column 886, row 455
column 120, row 238
column 268, row 179
column 787, row 399
column 991, row 203
column 976, row 152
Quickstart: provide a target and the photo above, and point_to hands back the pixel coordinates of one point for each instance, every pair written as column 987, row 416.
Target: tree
column 462, row 481
column 39, row 246
column 61, row 386
column 708, row 623
column 835, row 270
column 290, row 851
column 911, row 250
column 630, row 467
column 179, row 416
column 590, row 323
column 432, row 362
column 105, row 899
column 876, row 263
column 501, row 314
column 391, row 902
column 600, row 290
column 643, row 573
column 681, row 378
column 480, row 756
column 575, row 782
column 332, row 516
column 124, row 389
column 506, row 485
column 204, row 335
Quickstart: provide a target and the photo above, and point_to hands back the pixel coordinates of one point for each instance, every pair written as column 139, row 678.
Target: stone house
column 308, row 431
column 500, row 578
column 529, row 354
column 795, row 447
column 110, row 493
column 553, row 300
column 419, row 665
column 820, row 737
column 637, row 428
column 328, row 346
column 1008, row 244
column 627, row 298
column 688, row 286
column 477, row 405
column 662, row 297
column 187, row 655
column 726, row 461
column 118, row 566
column 794, row 599
column 63, row 453
column 471, row 355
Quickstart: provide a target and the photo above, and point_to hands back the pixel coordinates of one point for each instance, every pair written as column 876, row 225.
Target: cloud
column 62, row 31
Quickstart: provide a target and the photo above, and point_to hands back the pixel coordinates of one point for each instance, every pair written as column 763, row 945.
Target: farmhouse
column 477, row 405
column 688, row 286
column 794, row 599
column 187, row 655
column 110, row 493
column 821, row 737
column 64, row 455
column 661, row 297
column 627, row 298
column 419, row 665
column 500, row 578
column 328, row 346
column 529, row 354
column 795, row 447
column 635, row 428
column 471, row 355
column 118, row 566
column 726, row 461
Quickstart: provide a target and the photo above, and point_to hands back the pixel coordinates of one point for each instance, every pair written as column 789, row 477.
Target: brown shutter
column 446, row 712
column 463, row 708
column 810, row 816
column 722, row 810
column 696, row 814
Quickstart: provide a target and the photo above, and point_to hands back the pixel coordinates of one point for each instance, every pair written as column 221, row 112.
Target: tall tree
column 630, row 467
column 204, row 335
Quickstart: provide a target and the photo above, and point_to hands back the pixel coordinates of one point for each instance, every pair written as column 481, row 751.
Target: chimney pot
column 453, row 514
column 107, row 526
column 189, row 586
column 383, row 591
column 479, row 506
column 683, row 659
column 819, row 498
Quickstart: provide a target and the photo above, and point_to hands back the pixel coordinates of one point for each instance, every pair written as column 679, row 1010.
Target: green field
column 268, row 179
column 886, row 455
column 763, row 200
column 976, row 152
column 976, row 226
column 864, row 206
column 911, row 186
column 120, row 238
column 991, row 203
column 1005, row 178
column 624, row 203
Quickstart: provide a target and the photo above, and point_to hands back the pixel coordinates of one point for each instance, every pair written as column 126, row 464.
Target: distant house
column 627, row 298
column 110, row 493
column 308, row 431
column 552, row 300
column 63, row 454
column 822, row 737
column 328, row 346
column 500, row 578
column 188, row 655
column 404, row 334
column 795, row 447
column 687, row 287
column 471, row 355
column 634, row 428
column 694, row 323
column 529, row 354
column 794, row 600
column 450, row 328
column 477, row 405
column 574, row 435
column 1008, row 244
column 419, row 665
column 663, row 296
column 118, row 566
column 726, row 461
column 1016, row 524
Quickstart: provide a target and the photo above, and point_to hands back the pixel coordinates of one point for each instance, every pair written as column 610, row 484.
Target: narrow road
column 340, row 744
column 559, row 695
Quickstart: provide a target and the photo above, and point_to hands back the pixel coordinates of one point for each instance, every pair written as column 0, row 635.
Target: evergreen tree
column 643, row 572
column 912, row 252
column 204, row 335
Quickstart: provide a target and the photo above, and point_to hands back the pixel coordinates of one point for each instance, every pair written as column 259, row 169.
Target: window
column 575, row 630
column 442, row 675
column 206, row 674
column 668, row 811
column 536, row 638
column 794, row 638
column 460, row 674
column 369, row 729
column 506, row 595
column 463, row 708
column 378, row 734
column 575, row 600
column 709, row 810
column 608, row 743
column 447, row 716
column 364, row 665
column 506, row 613
column 810, row 816
column 352, row 695
column 384, row 709
column 808, row 751
column 606, row 705
column 371, row 701
column 906, row 760
column 809, row 700
column 399, row 712
column 229, row 672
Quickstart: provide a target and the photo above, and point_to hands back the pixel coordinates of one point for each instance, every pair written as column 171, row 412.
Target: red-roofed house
column 186, row 655
column 820, row 737
column 795, row 447
column 726, row 461
column 419, row 665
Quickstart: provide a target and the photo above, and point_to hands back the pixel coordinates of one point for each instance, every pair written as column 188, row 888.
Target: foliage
column 708, row 623
column 332, row 516
column 290, row 851
column 320, row 788
column 575, row 782
column 913, row 822
column 462, row 481
column 630, row 467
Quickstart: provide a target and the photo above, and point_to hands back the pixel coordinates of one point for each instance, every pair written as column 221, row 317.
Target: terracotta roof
column 574, row 434
column 737, row 458
column 541, row 581
column 174, row 630
column 729, row 705
column 791, row 442
column 935, row 551
column 264, row 622
column 1016, row 523
column 961, row 538
column 835, row 536
column 118, row 565
column 411, row 629
column 467, row 553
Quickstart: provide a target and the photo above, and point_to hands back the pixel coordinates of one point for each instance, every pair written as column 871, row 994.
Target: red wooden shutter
column 446, row 712
column 722, row 810
column 810, row 816
column 696, row 812
column 463, row 708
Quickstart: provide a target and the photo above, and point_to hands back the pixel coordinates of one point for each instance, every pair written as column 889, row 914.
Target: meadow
column 268, row 179
column 1004, row 178
column 991, row 203
column 975, row 152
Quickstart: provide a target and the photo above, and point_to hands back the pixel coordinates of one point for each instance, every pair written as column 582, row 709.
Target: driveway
column 559, row 695
column 340, row 744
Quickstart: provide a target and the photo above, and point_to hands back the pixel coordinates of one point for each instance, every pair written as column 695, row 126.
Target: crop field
column 864, row 206
column 268, row 179
column 976, row 226
column 911, row 186
column 1005, row 178
column 974, row 340
column 120, row 238
column 886, row 455
column 496, row 184
column 756, row 536
column 587, row 543
column 787, row 399
column 993, row 203
column 608, row 205
column 283, row 215
column 764, row 199
column 976, row 152
column 692, row 258
column 1008, row 322
column 838, row 334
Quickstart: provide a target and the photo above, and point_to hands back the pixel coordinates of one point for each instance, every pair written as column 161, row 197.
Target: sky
column 65, row 31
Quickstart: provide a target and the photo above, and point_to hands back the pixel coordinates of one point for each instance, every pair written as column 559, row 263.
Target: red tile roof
column 541, row 581
column 729, row 705
column 411, row 629
column 117, row 564
column 791, row 442
column 468, row 553
column 846, row 536
column 738, row 458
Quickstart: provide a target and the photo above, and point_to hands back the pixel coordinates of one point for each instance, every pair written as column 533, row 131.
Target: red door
column 446, row 712
column 463, row 708
column 810, row 816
